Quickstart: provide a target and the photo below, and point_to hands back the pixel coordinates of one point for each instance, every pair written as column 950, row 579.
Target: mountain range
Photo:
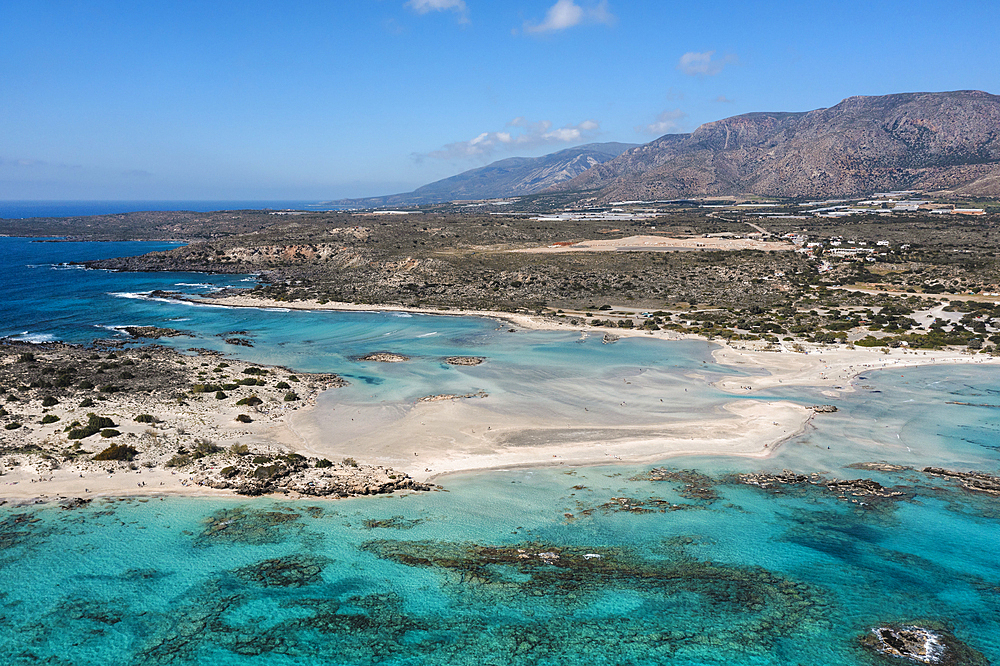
column 946, row 141
column 509, row 177
column 925, row 141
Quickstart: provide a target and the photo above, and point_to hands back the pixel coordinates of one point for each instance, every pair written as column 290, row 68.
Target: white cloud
column 566, row 14
column 723, row 99
column 425, row 6
column 666, row 123
column 703, row 64
column 519, row 133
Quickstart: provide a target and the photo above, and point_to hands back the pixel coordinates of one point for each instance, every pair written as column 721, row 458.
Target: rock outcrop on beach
column 252, row 476
column 163, row 418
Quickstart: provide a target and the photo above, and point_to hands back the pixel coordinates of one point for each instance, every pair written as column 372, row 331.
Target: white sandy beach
column 429, row 439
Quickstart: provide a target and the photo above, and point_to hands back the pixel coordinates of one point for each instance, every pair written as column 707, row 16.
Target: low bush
column 49, row 418
column 243, row 418
column 282, row 385
column 109, row 432
column 250, row 401
column 87, row 402
column 49, row 401
column 323, row 463
column 117, row 452
column 145, row 418
column 254, row 371
column 94, row 425
column 13, row 425
column 219, row 395
column 291, row 396
column 178, row 460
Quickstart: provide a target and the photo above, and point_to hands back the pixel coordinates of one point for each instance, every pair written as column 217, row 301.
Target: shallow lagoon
column 719, row 573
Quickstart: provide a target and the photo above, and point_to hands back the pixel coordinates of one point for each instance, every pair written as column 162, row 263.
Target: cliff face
column 906, row 141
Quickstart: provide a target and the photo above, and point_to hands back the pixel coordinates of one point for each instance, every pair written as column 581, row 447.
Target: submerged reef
column 291, row 571
column 248, row 526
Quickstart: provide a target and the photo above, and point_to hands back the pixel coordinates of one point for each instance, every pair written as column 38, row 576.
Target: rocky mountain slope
column 510, row 177
column 928, row 141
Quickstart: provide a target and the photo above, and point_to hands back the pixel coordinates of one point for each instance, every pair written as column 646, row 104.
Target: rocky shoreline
column 84, row 420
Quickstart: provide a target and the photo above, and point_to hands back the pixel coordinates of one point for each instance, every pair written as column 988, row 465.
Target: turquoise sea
column 608, row 565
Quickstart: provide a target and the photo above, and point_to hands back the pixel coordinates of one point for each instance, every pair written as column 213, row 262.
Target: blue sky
column 319, row 100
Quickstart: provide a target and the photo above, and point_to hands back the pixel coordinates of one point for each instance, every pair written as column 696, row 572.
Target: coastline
column 828, row 368
column 745, row 428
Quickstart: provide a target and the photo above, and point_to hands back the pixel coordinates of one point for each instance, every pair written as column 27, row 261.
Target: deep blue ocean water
column 501, row 569
column 15, row 210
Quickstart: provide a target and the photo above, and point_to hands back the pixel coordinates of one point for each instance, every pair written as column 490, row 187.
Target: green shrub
column 205, row 448
column 49, row 418
column 86, row 385
column 117, row 452
column 219, row 395
column 243, row 418
column 248, row 381
column 205, row 388
column 94, row 425
column 254, row 371
column 323, row 463
column 260, row 460
column 239, row 449
column 26, row 357
column 110, row 388
column 282, row 385
column 3, row 412
column 109, row 432
column 230, row 387
column 49, row 401
column 13, row 425
column 291, row 396
column 293, row 378
column 178, row 460
column 350, row 462
column 87, row 402
column 250, row 401
column 145, row 418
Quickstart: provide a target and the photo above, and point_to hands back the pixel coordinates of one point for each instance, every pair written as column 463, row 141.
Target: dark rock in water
column 823, row 409
column 610, row 337
column 858, row 491
column 464, row 360
column 975, row 481
column 385, row 357
column 153, row 332
column 923, row 645
column 240, row 342
column 696, row 484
